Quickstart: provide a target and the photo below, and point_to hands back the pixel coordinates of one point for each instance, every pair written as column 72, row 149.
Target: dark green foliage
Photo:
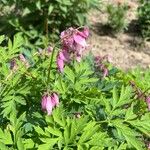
column 35, row 18
column 144, row 18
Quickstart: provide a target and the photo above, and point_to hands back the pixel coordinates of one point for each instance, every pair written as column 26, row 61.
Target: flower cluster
column 100, row 64
column 49, row 102
column 73, row 44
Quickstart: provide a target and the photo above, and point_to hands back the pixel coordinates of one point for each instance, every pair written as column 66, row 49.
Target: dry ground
column 125, row 48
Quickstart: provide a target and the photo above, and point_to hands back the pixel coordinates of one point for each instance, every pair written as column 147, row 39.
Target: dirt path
column 125, row 48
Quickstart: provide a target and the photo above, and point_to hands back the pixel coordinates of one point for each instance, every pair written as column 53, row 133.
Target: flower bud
column 49, row 102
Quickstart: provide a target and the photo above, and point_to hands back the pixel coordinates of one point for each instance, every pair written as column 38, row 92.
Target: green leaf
column 125, row 96
column 10, row 45
column 20, row 144
column 58, row 117
column 67, row 2
column 89, row 131
column 5, row 137
column 20, row 100
column 39, row 130
column 81, row 18
column 143, row 124
column 61, row 86
column 38, row 4
column 130, row 135
column 28, row 143
column 70, row 74
column 50, row 9
column 54, row 131
column 26, row 11
column 129, row 114
column 3, row 146
column 2, row 38
column 50, row 142
column 63, row 8
column 17, row 42
column 87, row 80
column 115, row 96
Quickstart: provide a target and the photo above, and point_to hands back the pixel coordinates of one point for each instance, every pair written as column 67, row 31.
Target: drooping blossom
column 49, row 102
column 74, row 40
column 13, row 62
column 73, row 44
column 97, row 60
column 55, row 99
column 46, row 104
column 78, row 58
column 60, row 63
column 13, row 65
column 23, row 60
column 62, row 58
column 101, row 64
column 49, row 49
column 148, row 102
column 105, row 72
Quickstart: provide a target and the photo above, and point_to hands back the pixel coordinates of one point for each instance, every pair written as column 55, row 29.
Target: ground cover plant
column 56, row 98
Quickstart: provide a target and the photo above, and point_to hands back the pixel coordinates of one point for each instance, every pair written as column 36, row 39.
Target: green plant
column 95, row 112
column 144, row 18
column 35, row 19
column 117, row 17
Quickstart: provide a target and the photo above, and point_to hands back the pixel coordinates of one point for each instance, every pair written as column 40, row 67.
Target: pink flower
column 105, row 72
column 62, row 57
column 49, row 105
column 85, row 32
column 13, row 62
column 23, row 60
column 79, row 40
column 60, row 64
column 49, row 49
column 66, row 55
column 46, row 104
column 97, row 59
column 67, row 38
column 13, row 65
column 73, row 45
column 55, row 99
column 78, row 58
column 100, row 64
column 148, row 102
column 49, row 102
column 74, row 41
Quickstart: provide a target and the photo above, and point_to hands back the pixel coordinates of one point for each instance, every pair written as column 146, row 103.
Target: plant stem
column 103, row 121
column 50, row 65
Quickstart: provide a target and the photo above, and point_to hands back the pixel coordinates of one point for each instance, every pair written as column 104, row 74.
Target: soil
column 126, row 49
